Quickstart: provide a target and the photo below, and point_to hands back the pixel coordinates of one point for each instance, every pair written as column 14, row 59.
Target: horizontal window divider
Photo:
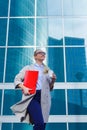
column 68, row 85
column 47, row 16
column 44, row 46
column 52, row 119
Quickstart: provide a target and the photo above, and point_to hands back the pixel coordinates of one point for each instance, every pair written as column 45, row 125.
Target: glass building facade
column 60, row 28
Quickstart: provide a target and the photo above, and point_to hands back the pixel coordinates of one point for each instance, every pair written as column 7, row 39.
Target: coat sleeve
column 51, row 81
column 19, row 78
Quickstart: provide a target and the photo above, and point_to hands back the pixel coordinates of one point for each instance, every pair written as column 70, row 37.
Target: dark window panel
column 2, row 56
column 22, row 126
column 56, row 126
column 58, row 102
column 3, row 28
column 6, row 126
column 22, row 8
column 77, row 126
column 54, row 42
column 0, row 100
column 17, row 58
column 56, row 62
column 76, row 64
column 77, row 102
column 13, row 96
column 74, row 41
column 21, row 32
column 3, row 8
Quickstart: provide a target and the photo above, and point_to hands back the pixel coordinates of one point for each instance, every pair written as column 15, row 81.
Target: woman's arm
column 24, row 88
column 52, row 81
column 19, row 78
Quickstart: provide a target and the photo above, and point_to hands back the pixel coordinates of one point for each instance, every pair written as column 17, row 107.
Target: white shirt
column 39, row 68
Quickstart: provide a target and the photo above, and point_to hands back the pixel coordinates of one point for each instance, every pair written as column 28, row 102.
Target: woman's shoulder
column 27, row 67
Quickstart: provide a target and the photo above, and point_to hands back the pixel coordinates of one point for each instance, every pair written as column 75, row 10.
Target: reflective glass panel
column 56, row 126
column 2, row 54
column 0, row 100
column 41, row 7
column 22, row 8
column 6, row 126
column 41, row 32
column 3, row 8
column 54, row 7
column 74, row 41
column 3, row 26
column 75, row 31
column 58, row 102
column 75, row 7
column 17, row 58
column 22, row 126
column 77, row 126
column 77, row 102
column 13, row 96
column 56, row 62
column 55, row 32
column 21, row 32
column 76, row 67
column 49, row 126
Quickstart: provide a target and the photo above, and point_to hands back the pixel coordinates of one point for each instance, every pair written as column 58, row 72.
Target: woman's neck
column 39, row 62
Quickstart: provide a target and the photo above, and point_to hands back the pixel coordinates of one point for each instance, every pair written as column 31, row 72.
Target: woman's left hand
column 53, row 77
column 52, row 82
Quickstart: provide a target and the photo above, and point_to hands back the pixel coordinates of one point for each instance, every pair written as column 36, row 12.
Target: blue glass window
column 58, row 102
column 0, row 100
column 75, row 31
column 77, row 102
column 50, row 126
column 55, row 32
column 41, row 7
column 6, row 126
column 22, row 126
column 54, row 8
column 22, row 8
column 21, row 32
column 56, row 126
column 41, row 32
column 13, row 96
column 17, row 58
column 74, row 41
column 2, row 54
column 3, row 8
column 74, row 8
column 56, row 62
column 3, row 26
column 76, row 64
column 77, row 126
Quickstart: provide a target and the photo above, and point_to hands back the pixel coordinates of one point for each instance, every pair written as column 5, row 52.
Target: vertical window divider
column 2, row 102
column 35, row 20
column 66, row 98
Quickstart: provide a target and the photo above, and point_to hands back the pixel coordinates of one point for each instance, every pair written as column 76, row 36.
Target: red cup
column 30, row 80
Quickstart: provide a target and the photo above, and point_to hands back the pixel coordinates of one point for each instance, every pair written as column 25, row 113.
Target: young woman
column 35, row 108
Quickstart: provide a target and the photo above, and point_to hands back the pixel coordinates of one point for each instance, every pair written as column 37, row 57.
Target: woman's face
column 40, row 56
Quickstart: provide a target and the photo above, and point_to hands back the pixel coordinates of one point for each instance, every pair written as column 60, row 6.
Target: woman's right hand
column 24, row 89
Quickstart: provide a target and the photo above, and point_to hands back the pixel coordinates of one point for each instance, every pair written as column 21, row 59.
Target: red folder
column 30, row 80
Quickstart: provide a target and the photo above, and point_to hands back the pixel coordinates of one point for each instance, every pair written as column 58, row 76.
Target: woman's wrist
column 21, row 86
